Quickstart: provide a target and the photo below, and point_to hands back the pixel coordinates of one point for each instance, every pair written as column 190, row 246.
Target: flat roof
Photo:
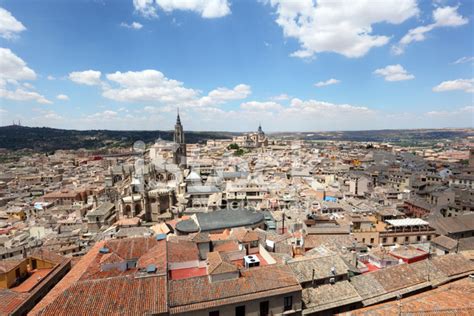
column 407, row 222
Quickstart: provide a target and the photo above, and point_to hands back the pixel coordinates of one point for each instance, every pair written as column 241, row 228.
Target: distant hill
column 401, row 136
column 44, row 139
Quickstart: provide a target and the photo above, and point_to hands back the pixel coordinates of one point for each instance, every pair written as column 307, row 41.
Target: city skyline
column 128, row 65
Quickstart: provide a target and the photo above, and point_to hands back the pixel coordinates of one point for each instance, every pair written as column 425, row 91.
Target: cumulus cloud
column 20, row 94
column 153, row 86
column 133, row 25
column 466, row 85
column 13, row 67
column 327, row 83
column 147, row 85
column 145, row 7
column 261, row 106
column 206, row 8
column 325, row 108
column 9, row 26
column 443, row 17
column 223, row 95
column 62, row 97
column 394, row 73
column 13, row 71
column 318, row 28
column 50, row 77
column 87, row 77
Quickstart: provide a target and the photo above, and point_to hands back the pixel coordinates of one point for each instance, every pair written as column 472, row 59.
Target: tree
column 233, row 146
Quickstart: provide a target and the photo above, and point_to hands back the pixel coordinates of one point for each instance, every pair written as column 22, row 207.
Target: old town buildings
column 253, row 225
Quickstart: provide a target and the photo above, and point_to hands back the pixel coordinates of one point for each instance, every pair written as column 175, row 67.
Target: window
column 429, row 237
column 363, row 240
column 372, row 240
column 407, row 239
column 214, row 313
column 394, row 239
column 384, row 240
column 418, row 238
column 264, row 308
column 240, row 310
column 288, row 303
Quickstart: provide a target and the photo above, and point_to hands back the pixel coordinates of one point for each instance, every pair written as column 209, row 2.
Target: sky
column 228, row 65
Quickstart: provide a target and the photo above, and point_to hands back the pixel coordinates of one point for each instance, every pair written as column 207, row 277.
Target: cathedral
column 149, row 189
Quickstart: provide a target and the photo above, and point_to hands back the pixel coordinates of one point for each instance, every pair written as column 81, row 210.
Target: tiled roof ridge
column 70, row 279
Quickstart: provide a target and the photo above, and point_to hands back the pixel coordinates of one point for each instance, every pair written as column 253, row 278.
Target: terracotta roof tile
column 126, row 295
column 197, row 293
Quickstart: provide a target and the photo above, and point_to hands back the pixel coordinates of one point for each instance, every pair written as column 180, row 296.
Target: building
column 406, row 231
column 220, row 220
column 180, row 153
column 24, row 282
column 457, row 227
column 252, row 140
column 104, row 215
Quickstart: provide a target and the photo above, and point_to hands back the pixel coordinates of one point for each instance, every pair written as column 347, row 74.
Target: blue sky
column 228, row 65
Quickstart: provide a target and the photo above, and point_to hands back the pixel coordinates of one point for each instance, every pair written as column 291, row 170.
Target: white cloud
column 394, row 73
column 20, row 94
column 147, row 85
column 152, row 85
column 87, row 77
column 104, row 115
column 51, row 77
column 466, row 85
column 443, row 17
column 206, row 8
column 325, row 108
column 9, row 26
column 467, row 110
column 261, row 106
column 280, row 97
column 133, row 25
column 327, row 83
column 62, row 97
column 343, row 27
column 13, row 67
column 222, row 95
column 145, row 7
column 13, row 71
column 463, row 60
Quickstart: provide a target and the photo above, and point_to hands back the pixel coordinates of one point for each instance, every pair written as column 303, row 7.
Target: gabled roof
column 218, row 263
column 192, row 294
column 445, row 242
column 124, row 295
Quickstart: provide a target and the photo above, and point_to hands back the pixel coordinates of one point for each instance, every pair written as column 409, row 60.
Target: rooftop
column 407, row 222
column 219, row 220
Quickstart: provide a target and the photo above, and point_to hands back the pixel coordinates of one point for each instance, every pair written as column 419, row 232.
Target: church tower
column 180, row 154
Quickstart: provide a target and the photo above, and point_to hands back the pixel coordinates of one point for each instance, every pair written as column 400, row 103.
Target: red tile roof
column 181, row 250
column 89, row 284
column 126, row 295
column 10, row 300
column 198, row 293
column 451, row 299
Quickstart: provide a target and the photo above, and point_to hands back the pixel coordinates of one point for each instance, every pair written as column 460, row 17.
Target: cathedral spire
column 178, row 120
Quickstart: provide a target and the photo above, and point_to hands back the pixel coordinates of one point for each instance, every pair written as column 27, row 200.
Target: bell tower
column 180, row 154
